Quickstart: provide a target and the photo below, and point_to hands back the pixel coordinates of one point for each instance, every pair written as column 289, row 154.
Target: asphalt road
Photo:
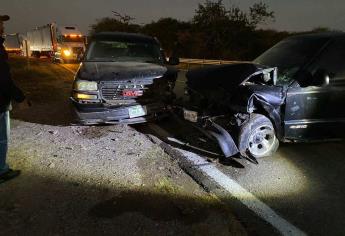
column 303, row 183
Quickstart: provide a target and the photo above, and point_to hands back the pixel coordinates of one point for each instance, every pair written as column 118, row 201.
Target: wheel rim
column 261, row 140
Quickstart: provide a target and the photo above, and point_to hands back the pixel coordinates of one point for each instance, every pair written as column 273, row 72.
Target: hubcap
column 261, row 140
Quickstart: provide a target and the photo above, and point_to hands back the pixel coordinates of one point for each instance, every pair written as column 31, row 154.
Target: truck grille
column 113, row 90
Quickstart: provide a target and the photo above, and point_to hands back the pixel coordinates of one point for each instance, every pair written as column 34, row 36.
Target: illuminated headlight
column 82, row 85
column 82, row 96
column 67, row 52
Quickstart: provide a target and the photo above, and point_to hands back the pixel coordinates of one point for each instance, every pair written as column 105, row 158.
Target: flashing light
column 67, row 52
column 73, row 35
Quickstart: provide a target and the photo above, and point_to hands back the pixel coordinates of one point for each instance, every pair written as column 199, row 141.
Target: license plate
column 137, row 111
column 190, row 115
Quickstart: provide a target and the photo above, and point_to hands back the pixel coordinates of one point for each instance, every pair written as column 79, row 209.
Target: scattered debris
column 54, row 132
column 51, row 165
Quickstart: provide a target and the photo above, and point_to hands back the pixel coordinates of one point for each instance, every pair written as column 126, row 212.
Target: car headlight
column 82, row 96
column 82, row 85
column 67, row 52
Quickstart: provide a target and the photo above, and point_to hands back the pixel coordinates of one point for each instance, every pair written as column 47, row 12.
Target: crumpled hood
column 225, row 76
column 102, row 71
column 234, row 86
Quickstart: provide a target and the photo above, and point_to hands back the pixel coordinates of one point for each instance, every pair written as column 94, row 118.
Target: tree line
column 215, row 31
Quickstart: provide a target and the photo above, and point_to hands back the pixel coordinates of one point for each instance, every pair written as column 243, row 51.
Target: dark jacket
column 8, row 90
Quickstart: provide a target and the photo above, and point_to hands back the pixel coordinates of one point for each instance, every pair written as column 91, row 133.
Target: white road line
column 247, row 198
column 237, row 191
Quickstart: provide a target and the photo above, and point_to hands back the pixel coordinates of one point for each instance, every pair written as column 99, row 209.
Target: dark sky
column 291, row 15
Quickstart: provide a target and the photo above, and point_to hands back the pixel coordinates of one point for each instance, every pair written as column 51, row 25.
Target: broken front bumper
column 211, row 128
column 99, row 114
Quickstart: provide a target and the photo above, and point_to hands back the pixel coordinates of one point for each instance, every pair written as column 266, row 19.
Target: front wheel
column 257, row 137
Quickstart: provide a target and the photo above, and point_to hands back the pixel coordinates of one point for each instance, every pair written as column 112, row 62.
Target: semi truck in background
column 61, row 43
column 13, row 44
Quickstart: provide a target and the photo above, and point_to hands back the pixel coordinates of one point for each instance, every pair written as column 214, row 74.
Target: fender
column 273, row 112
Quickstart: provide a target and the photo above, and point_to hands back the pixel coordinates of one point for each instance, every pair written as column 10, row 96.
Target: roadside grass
column 169, row 188
column 47, row 86
column 23, row 69
column 166, row 186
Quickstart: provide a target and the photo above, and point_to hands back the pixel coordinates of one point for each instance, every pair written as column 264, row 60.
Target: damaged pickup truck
column 123, row 78
column 294, row 92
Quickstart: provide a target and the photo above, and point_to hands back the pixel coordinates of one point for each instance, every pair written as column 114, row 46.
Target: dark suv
column 123, row 78
column 293, row 92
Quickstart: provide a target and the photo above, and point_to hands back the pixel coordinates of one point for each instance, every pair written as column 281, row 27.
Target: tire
column 257, row 137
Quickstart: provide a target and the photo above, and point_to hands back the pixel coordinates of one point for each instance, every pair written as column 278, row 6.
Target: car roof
column 122, row 36
column 330, row 35
column 67, row 30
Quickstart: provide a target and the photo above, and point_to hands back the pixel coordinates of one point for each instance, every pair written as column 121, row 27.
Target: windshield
column 124, row 51
column 73, row 39
column 290, row 56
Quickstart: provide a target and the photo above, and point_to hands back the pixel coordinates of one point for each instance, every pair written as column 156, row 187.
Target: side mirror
column 174, row 61
column 320, row 78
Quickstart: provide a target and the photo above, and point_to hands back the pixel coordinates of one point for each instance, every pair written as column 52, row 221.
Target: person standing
column 8, row 93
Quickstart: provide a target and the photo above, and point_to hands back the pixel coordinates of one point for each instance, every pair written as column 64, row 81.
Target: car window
column 332, row 61
column 290, row 55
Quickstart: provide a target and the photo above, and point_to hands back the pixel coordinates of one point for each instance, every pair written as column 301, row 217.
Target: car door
column 318, row 112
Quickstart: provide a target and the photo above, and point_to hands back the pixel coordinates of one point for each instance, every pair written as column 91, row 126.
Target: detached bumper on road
column 99, row 114
column 210, row 127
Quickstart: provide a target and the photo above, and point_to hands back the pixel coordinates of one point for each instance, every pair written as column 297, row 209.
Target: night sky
column 291, row 15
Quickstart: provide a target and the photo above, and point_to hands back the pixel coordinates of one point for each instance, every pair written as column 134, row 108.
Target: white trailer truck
column 63, row 43
column 13, row 44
